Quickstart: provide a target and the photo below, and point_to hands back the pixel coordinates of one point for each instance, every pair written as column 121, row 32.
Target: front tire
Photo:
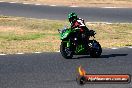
column 96, row 49
column 65, row 51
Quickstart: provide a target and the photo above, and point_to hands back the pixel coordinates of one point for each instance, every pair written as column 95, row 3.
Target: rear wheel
column 96, row 49
column 65, row 51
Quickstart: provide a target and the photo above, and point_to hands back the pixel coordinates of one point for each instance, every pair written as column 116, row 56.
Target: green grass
column 19, row 34
column 12, row 36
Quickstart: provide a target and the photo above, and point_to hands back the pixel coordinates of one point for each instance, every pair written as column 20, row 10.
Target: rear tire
column 96, row 50
column 65, row 51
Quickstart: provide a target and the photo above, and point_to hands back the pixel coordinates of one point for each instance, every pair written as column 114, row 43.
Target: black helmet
column 72, row 17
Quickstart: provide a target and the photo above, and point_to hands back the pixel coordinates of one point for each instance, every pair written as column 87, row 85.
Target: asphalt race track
column 51, row 70
column 122, row 15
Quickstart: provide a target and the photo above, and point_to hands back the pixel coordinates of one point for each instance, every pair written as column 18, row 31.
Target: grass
column 89, row 3
column 19, row 34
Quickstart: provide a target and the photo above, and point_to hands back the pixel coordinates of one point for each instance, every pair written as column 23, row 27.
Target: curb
column 105, row 23
column 113, row 48
column 72, row 5
column 38, row 4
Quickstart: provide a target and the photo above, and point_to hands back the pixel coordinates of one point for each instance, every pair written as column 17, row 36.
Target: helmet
column 72, row 17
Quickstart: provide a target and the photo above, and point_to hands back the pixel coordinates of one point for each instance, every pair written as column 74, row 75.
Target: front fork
column 70, row 45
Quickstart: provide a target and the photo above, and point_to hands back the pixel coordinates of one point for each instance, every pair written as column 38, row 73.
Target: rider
column 76, row 22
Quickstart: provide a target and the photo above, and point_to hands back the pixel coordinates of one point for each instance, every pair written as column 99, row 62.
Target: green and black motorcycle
column 76, row 43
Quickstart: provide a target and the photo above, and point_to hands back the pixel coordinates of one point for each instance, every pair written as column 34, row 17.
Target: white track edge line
column 38, row 4
column 114, row 7
column 27, row 3
column 59, row 5
column 1, row 1
column 52, row 5
column 59, row 50
column 73, row 6
column 130, row 47
column 37, row 52
column 105, row 23
column 114, row 48
column 2, row 54
column 12, row 2
column 19, row 53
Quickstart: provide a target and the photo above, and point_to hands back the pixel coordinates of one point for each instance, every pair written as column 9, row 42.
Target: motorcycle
column 73, row 42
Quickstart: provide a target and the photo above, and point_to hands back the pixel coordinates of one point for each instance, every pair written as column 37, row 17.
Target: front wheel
column 96, row 49
column 65, row 51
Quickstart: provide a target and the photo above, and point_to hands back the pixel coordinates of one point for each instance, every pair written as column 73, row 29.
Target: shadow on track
column 103, row 56
column 113, row 55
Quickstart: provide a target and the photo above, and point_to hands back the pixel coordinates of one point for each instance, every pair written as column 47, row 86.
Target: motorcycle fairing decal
column 79, row 48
